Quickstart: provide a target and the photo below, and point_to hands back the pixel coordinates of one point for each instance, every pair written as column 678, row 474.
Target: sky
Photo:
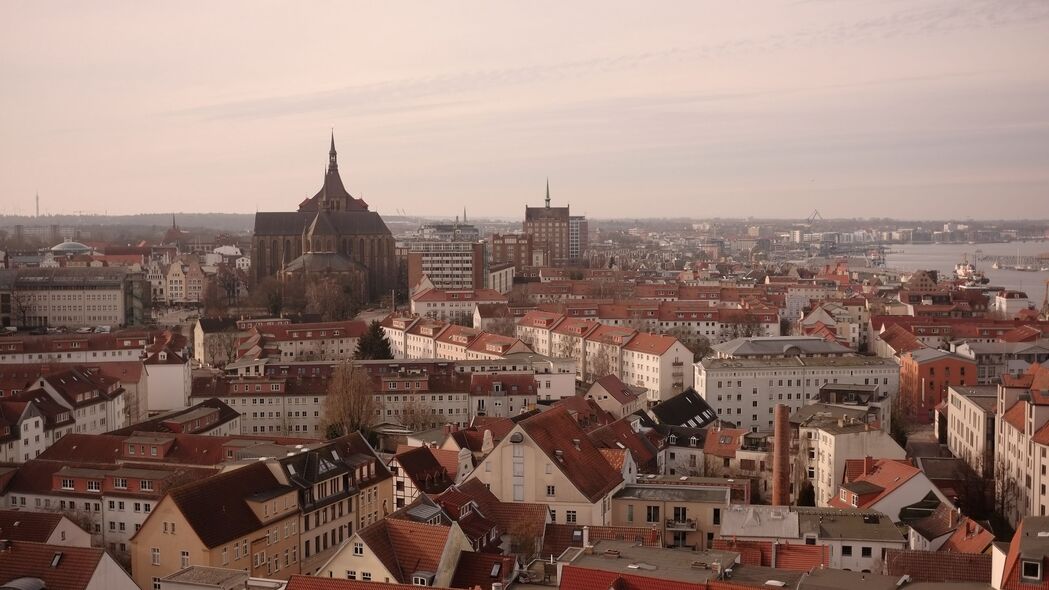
column 908, row 109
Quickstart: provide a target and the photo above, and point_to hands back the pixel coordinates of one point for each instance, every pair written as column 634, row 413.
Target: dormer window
column 1031, row 570
column 419, row 580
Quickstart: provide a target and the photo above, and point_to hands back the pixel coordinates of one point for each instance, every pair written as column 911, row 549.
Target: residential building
column 515, row 249
column 825, row 444
column 885, row 485
column 1022, row 444
column 925, row 375
column 449, row 265
column 970, row 426
column 854, row 539
column 456, row 306
column 79, row 297
column 548, row 458
column 258, row 529
column 746, row 390
column 994, row 359
column 685, row 515
column 616, row 397
column 318, row 341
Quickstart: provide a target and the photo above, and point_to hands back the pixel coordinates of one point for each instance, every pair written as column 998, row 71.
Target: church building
column 332, row 233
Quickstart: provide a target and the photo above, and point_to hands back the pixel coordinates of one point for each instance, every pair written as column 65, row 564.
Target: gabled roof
column 37, row 527
column 938, row 566
column 687, row 408
column 887, row 474
column 422, row 466
column 968, row 537
column 74, row 569
column 621, row 392
column 482, row 570
column 570, row 450
column 405, row 547
column 509, row 516
column 217, row 508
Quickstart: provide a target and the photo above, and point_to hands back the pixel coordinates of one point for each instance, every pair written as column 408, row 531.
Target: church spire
column 548, row 192
column 333, row 163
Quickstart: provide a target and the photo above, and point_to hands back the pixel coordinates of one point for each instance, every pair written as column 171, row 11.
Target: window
column 67, row 484
column 570, row 516
column 419, row 580
column 865, row 551
column 155, row 555
column 652, row 513
column 351, row 574
column 358, row 548
column 184, row 558
column 1032, row 570
column 846, row 550
column 94, row 485
column 146, row 485
column 120, row 483
column 366, row 576
column 717, row 516
column 550, row 491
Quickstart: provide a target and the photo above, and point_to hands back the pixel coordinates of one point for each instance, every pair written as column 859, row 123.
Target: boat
column 968, row 273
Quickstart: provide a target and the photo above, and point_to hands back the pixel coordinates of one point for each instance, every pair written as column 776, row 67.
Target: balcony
column 677, row 364
column 681, row 525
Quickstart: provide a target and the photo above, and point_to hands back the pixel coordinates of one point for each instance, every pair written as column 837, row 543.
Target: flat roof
column 672, row 493
column 206, row 576
column 682, row 565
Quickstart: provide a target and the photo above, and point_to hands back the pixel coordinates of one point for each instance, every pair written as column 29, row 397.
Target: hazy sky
column 694, row 108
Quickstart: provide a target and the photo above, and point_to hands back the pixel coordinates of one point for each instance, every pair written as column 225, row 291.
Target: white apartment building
column 1021, row 450
column 71, row 297
column 455, row 306
column 746, row 390
column 970, row 425
column 825, row 446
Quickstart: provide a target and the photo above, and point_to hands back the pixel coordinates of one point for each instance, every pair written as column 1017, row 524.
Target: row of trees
column 332, row 297
column 352, row 405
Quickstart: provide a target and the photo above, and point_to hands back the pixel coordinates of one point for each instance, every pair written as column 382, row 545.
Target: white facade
column 746, row 391
column 830, row 446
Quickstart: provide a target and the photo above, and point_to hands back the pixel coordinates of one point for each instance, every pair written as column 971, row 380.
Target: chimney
column 868, row 465
column 781, row 457
column 575, row 443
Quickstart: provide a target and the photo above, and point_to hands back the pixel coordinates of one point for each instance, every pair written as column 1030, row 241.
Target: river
column 943, row 257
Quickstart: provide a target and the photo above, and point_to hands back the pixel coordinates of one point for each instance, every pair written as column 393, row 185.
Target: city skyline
column 891, row 110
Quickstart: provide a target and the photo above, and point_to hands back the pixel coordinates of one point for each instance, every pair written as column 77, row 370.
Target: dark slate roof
column 687, row 408
column 269, row 223
column 324, row 262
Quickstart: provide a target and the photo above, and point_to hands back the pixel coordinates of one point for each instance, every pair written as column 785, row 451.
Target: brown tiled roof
column 585, row 467
column 475, row 569
column 425, row 470
column 619, row 435
column 559, row 537
column 507, row 515
column 938, row 566
column 406, row 547
column 73, row 572
column 18, row 525
column 217, row 507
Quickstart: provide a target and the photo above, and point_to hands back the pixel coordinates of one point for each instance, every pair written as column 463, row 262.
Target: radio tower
column 38, row 203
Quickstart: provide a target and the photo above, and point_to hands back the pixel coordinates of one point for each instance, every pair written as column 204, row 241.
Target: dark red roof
column 475, row 569
column 18, row 525
column 406, row 547
column 938, row 566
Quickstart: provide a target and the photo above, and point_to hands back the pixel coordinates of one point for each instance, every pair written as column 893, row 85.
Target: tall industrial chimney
column 781, row 457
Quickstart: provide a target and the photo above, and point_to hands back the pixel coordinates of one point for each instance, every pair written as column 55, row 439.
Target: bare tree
column 21, row 305
column 503, row 326
column 333, row 298
column 221, row 348
column 526, row 536
column 417, row 414
column 351, row 404
column 601, row 364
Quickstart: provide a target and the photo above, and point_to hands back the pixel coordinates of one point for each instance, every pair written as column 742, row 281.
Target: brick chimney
column 868, row 465
column 781, row 457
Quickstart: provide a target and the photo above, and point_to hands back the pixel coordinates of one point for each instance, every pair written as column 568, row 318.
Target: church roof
column 279, row 223
column 322, row 225
column 333, row 189
column 324, row 262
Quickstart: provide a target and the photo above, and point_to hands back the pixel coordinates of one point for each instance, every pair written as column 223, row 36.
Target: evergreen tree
column 374, row 345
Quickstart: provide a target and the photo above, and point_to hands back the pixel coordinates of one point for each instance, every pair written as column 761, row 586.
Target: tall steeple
column 333, row 163
column 548, row 193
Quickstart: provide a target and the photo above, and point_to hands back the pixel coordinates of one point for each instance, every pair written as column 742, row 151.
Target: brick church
column 332, row 233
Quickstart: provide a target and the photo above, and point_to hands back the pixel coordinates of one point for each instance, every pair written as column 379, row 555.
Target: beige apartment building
column 970, row 425
column 684, row 515
column 243, row 519
column 549, row 459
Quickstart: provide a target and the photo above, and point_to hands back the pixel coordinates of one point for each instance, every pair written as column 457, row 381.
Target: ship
column 965, row 271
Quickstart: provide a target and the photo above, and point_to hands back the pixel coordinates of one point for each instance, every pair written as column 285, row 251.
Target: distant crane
column 815, row 216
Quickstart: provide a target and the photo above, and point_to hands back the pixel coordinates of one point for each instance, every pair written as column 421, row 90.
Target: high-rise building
column 448, row 264
column 578, row 240
column 549, row 228
column 515, row 249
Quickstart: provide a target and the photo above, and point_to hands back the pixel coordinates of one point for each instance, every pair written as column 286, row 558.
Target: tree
column 418, row 415
column 504, row 326
column 269, row 293
column 332, row 297
column 214, row 299
column 526, row 536
column 21, row 305
column 351, row 404
column 601, row 364
column 221, row 348
column 807, row 495
column 374, row 345
column 697, row 344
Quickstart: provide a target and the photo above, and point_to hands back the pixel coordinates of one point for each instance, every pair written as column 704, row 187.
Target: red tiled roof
column 578, row 578
column 406, row 547
column 887, row 474
column 724, row 442
column 1015, row 416
column 969, row 537
column 559, row 537
column 938, row 566
column 657, row 344
column 74, row 570
column 508, row 516
column 554, row 430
